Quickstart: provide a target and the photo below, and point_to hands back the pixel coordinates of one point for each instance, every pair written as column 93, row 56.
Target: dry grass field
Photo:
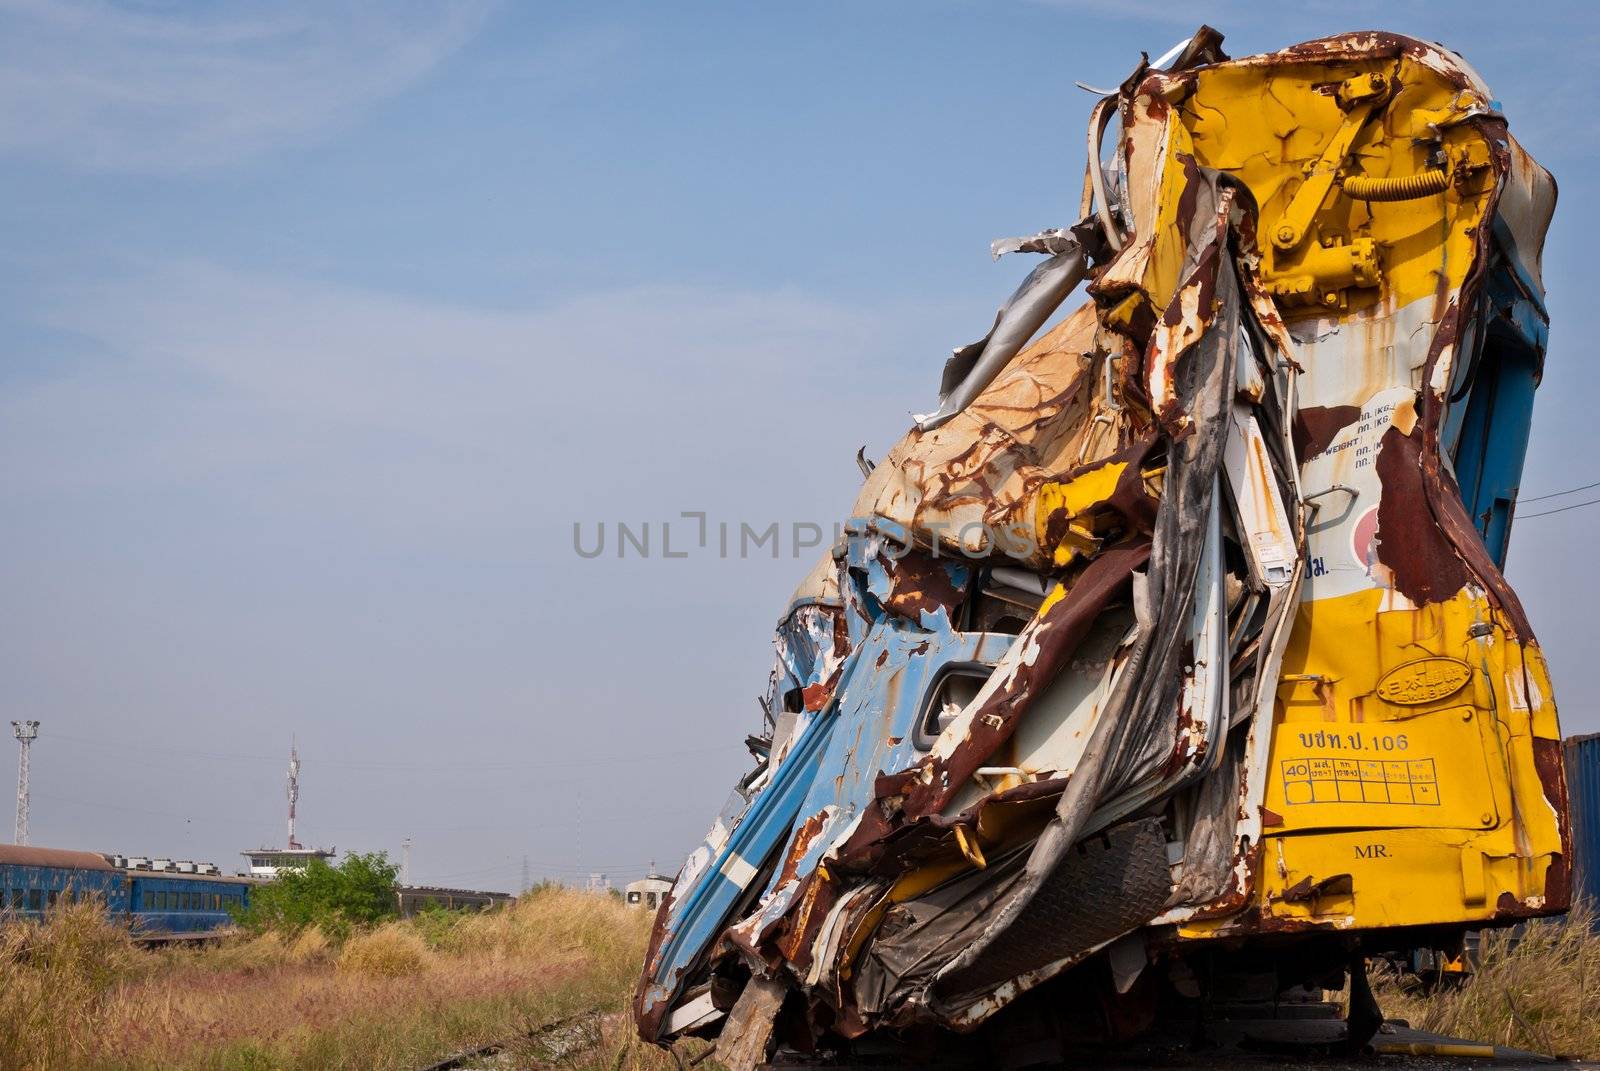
column 75, row 993
column 1539, row 990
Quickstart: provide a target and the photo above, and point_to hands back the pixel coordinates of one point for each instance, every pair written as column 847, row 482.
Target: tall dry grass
column 393, row 950
column 1537, row 990
column 76, row 993
column 56, row 980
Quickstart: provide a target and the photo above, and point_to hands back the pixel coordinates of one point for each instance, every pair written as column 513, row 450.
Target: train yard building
column 648, row 891
column 266, row 862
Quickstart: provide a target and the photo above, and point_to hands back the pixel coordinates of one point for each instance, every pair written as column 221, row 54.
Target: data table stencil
column 1409, row 781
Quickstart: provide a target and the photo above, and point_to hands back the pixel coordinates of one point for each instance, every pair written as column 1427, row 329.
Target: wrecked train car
column 1175, row 638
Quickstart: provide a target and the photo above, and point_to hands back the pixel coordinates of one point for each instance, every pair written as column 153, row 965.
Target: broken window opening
column 956, row 686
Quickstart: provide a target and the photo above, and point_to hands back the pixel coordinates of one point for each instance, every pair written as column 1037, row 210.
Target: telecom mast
column 294, row 788
column 25, row 731
column 405, row 861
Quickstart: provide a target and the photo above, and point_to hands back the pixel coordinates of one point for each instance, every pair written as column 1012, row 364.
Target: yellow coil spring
column 1396, row 188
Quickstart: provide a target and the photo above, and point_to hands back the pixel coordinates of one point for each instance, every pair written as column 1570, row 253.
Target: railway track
column 557, row 1039
column 1305, row 1043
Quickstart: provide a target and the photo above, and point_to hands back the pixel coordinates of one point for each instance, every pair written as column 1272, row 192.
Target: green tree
column 360, row 890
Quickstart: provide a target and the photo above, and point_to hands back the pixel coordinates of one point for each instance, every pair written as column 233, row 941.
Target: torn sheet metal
column 973, row 367
column 1182, row 625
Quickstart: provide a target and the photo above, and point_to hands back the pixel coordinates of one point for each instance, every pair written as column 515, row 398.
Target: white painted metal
column 25, row 732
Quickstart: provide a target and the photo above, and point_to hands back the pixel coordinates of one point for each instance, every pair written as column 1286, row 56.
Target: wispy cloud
column 148, row 88
column 206, row 374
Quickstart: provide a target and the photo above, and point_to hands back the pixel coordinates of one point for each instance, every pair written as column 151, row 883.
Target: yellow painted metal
column 967, row 841
column 1291, row 229
column 1396, row 187
column 1057, row 592
column 1277, row 129
column 910, row 885
column 1433, row 1048
column 1432, row 806
column 1074, row 500
column 1403, row 752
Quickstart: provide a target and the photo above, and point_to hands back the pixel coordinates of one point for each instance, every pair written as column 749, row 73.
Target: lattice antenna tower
column 25, row 732
column 294, row 789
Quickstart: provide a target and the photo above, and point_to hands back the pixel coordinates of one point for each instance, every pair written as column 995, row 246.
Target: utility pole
column 25, row 731
column 525, row 882
column 405, row 861
column 294, row 789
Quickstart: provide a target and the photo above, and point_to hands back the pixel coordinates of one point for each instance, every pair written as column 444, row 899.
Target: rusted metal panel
column 1192, row 571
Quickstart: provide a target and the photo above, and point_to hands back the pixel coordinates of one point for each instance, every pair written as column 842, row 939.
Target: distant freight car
column 184, row 906
column 413, row 899
column 156, row 906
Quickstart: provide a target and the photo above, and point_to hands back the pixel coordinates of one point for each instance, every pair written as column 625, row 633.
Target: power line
column 1558, row 494
column 562, row 870
column 1563, row 509
column 72, row 801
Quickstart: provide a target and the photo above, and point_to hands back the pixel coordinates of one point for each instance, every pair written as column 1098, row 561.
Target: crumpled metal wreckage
column 1173, row 642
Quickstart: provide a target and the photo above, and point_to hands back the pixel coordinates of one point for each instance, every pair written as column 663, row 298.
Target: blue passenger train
column 156, row 905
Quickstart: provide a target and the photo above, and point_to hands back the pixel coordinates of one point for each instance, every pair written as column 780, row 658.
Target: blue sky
column 324, row 323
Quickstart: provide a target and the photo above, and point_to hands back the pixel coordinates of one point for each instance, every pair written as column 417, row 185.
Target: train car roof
column 232, row 879
column 452, row 892
column 27, row 855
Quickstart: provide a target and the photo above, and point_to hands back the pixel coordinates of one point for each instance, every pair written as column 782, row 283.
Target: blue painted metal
column 867, row 727
column 1581, row 756
column 696, row 917
column 1531, row 290
column 30, row 891
column 875, row 731
column 152, row 904
column 1490, row 442
column 162, row 904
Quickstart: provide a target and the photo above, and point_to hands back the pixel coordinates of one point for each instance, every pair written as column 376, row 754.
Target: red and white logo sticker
column 1364, row 540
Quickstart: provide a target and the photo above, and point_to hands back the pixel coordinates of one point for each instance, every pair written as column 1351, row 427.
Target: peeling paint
column 1127, row 610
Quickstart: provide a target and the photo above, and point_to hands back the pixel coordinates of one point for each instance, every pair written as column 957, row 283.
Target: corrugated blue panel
column 1582, row 758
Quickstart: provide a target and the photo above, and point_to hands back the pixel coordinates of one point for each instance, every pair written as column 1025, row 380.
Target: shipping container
column 1581, row 755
